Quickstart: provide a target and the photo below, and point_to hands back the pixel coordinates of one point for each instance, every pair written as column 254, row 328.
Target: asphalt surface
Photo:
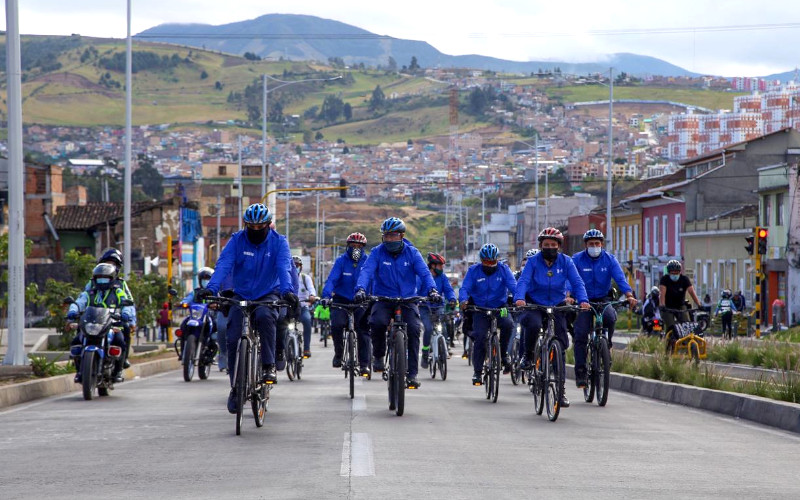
column 163, row 438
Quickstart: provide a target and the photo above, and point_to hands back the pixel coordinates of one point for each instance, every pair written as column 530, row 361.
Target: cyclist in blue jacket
column 596, row 267
column 436, row 267
column 259, row 260
column 391, row 271
column 340, row 288
column 543, row 282
column 487, row 285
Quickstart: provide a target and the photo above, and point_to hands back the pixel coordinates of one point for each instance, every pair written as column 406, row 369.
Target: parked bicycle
column 247, row 375
column 547, row 372
column 350, row 364
column 598, row 355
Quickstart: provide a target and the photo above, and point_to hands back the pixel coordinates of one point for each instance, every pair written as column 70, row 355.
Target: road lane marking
column 357, row 456
column 359, row 403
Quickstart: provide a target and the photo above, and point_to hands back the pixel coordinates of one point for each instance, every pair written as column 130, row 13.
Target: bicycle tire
column 325, row 332
column 603, row 376
column 554, row 380
column 514, row 355
column 591, row 372
column 242, row 371
column 536, row 378
column 351, row 362
column 258, row 398
column 88, row 374
column 298, row 368
column 495, row 368
column 432, row 361
column 291, row 357
column 388, row 375
column 400, row 368
column 188, row 358
column 442, row 361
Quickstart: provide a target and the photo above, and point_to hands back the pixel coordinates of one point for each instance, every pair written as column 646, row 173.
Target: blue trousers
column 583, row 327
column 222, row 334
column 480, row 330
column 339, row 323
column 263, row 320
column 531, row 324
column 425, row 313
column 379, row 321
column 305, row 320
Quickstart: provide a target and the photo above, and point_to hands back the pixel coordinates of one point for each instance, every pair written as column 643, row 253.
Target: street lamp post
column 609, row 238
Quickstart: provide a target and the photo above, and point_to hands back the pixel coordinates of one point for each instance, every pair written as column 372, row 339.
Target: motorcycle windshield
column 95, row 319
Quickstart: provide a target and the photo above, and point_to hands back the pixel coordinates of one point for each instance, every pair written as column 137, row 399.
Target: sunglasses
column 488, row 262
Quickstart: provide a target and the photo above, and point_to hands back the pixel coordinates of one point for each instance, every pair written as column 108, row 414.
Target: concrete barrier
column 778, row 414
column 14, row 394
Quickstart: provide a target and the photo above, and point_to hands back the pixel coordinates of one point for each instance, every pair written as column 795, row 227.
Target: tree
column 346, row 150
column 298, row 149
column 318, row 136
column 253, row 113
column 251, row 56
column 218, row 85
column 477, row 102
column 413, row 67
column 348, row 111
column 307, row 137
column 392, row 64
column 377, row 100
column 148, row 177
column 204, row 75
column 332, row 108
column 31, row 290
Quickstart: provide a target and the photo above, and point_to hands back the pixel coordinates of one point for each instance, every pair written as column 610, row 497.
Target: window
column 678, row 229
column 767, row 214
column 647, row 236
column 665, row 238
column 617, row 241
column 630, row 238
column 222, row 170
column 779, row 209
column 656, row 247
column 636, row 238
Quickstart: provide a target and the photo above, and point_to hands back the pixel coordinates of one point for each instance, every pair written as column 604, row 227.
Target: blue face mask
column 594, row 252
column 393, row 247
column 204, row 283
column 674, row 277
column 102, row 281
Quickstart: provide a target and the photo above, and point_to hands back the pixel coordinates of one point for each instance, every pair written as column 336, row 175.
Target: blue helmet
column 393, row 225
column 257, row 213
column 489, row 251
column 593, row 234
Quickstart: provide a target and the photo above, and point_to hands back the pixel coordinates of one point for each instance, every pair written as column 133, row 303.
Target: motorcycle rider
column 105, row 290
column 543, row 282
column 203, row 278
column 259, row 260
column 597, row 268
column 436, row 268
column 650, row 310
column 307, row 295
column 340, row 288
column 390, row 271
column 487, row 284
column 726, row 308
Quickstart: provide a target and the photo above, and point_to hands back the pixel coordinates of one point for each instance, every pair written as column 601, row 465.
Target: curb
column 778, row 414
column 53, row 386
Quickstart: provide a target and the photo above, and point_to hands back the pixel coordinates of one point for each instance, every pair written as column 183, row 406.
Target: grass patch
column 646, row 344
column 43, row 368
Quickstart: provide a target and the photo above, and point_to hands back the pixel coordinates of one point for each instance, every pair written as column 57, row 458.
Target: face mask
column 489, row 270
column 355, row 253
column 257, row 237
column 674, row 277
column 204, row 283
column 550, row 253
column 393, row 247
column 438, row 272
column 594, row 252
column 102, row 281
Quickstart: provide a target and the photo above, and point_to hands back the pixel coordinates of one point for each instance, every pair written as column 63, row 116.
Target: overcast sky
column 509, row 29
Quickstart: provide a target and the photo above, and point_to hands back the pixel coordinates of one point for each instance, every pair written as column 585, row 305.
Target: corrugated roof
column 84, row 217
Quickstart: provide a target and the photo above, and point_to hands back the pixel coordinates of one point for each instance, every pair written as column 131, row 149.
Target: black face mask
column 489, row 270
column 257, row 236
column 550, row 253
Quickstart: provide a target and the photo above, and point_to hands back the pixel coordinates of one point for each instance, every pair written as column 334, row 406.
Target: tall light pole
column 609, row 232
column 126, row 215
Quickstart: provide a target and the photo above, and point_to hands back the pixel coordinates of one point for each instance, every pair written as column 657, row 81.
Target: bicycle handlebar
column 473, row 307
column 398, row 300
column 538, row 307
column 346, row 307
column 246, row 304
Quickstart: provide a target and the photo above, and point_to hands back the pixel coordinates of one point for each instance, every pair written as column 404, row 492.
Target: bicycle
column 493, row 361
column 350, row 362
column 685, row 337
column 598, row 355
column 515, row 356
column 247, row 369
column 293, row 348
column 396, row 359
column 547, row 372
column 438, row 354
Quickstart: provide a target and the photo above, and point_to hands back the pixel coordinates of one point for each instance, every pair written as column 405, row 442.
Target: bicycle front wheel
column 291, row 357
column 514, row 355
column 554, row 380
column 259, row 399
column 603, row 375
column 399, row 365
column 242, row 369
column 536, row 378
column 351, row 362
column 442, row 358
column 591, row 372
column 494, row 369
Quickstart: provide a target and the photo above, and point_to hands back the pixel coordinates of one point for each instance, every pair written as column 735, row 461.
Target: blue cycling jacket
column 343, row 277
column 485, row 290
column 442, row 286
column 597, row 273
column 394, row 275
column 257, row 270
column 546, row 285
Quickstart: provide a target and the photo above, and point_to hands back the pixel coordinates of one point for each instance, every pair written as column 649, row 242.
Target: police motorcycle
column 194, row 343
column 98, row 327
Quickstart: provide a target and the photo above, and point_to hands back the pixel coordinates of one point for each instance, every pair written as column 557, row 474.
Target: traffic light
column 749, row 247
column 762, row 240
column 343, row 191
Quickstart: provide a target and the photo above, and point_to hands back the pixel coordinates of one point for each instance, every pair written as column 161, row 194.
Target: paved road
column 163, row 438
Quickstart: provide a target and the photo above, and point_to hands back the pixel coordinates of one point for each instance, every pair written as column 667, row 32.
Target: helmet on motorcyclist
column 204, row 276
column 103, row 275
column 113, row 256
column 298, row 262
column 655, row 292
column 726, row 294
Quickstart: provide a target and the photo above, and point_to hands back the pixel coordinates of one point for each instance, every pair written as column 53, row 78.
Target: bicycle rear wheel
column 536, row 379
column 591, row 372
column 442, row 358
column 399, row 365
column 603, row 372
column 554, row 380
column 351, row 362
column 259, row 398
column 242, row 370
column 495, row 369
column 291, row 357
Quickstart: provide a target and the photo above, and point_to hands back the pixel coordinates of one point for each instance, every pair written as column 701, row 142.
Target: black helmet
column 674, row 265
column 297, row 261
column 205, row 273
column 655, row 292
column 103, row 275
column 111, row 255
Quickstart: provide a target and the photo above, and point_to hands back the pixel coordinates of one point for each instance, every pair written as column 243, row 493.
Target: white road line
column 357, row 457
column 359, row 403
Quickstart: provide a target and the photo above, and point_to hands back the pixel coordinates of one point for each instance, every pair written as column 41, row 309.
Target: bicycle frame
column 688, row 339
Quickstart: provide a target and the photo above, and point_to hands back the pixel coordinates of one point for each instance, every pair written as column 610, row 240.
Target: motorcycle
column 194, row 343
column 654, row 326
column 98, row 356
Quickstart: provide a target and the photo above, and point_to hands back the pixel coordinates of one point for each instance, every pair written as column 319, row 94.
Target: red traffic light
column 762, row 233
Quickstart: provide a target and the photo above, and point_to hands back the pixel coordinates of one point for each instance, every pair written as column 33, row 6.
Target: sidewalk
column 32, row 337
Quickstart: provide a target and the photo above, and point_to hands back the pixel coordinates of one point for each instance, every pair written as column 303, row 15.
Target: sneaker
column 377, row 365
column 270, row 375
column 126, row 363
column 232, row 401
column 423, row 362
column 412, row 383
column 77, row 378
column 506, row 365
column 464, row 356
column 580, row 379
column 119, row 378
column 526, row 364
column 564, row 400
column 364, row 370
column 280, row 361
column 337, row 362
column 476, row 379
column 306, row 354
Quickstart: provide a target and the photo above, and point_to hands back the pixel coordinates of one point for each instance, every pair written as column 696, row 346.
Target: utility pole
column 16, row 185
column 536, row 176
column 128, row 153
column 239, row 182
column 264, row 141
column 483, row 217
column 219, row 214
column 609, row 188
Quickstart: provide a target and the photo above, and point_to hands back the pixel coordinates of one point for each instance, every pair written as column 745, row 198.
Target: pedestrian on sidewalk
column 164, row 321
